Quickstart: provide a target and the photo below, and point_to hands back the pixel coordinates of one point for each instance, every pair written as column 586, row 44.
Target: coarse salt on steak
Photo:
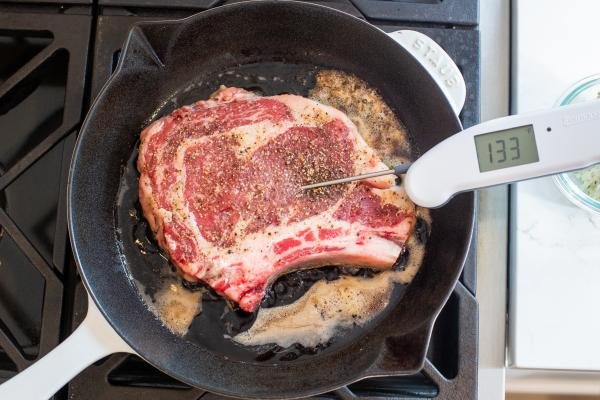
column 219, row 185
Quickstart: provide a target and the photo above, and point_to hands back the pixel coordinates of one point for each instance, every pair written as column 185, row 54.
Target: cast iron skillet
column 167, row 64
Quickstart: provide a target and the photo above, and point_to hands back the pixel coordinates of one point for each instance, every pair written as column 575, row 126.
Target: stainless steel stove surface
column 54, row 58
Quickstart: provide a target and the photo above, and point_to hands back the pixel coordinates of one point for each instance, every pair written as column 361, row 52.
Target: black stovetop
column 54, row 57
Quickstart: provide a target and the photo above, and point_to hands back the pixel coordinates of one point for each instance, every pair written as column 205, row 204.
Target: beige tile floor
column 548, row 397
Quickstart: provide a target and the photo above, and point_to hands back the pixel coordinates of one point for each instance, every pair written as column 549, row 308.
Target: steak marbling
column 219, row 185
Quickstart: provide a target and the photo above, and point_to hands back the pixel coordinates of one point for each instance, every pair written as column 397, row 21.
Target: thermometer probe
column 503, row 150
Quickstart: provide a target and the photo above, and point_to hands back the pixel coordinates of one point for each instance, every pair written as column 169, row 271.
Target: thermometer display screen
column 506, row 148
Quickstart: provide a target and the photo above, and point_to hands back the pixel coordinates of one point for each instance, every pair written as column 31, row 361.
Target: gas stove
column 56, row 56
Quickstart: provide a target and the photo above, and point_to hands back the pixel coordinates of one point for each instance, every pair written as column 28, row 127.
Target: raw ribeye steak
column 220, row 183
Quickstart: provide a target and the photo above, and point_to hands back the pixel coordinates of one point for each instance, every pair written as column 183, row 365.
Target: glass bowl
column 570, row 183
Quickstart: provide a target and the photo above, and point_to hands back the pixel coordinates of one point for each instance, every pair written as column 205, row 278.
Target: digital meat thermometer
column 503, row 150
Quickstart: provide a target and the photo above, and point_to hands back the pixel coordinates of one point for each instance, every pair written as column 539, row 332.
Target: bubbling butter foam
column 176, row 306
column 329, row 306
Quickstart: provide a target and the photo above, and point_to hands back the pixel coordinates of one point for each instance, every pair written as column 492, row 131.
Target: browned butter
column 330, row 306
column 175, row 306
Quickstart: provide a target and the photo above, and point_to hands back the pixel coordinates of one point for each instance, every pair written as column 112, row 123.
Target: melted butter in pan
column 329, row 306
column 176, row 306
column 372, row 116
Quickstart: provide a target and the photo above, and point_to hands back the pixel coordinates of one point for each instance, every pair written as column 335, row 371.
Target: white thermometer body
column 506, row 150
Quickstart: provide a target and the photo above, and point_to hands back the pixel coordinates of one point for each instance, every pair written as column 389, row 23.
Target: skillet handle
column 437, row 62
column 91, row 341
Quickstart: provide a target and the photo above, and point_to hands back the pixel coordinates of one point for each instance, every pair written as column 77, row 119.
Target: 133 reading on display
column 506, row 148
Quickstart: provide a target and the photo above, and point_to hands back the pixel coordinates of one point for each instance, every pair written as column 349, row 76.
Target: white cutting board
column 554, row 287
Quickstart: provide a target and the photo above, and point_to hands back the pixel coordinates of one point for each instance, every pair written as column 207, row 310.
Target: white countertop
column 554, row 289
